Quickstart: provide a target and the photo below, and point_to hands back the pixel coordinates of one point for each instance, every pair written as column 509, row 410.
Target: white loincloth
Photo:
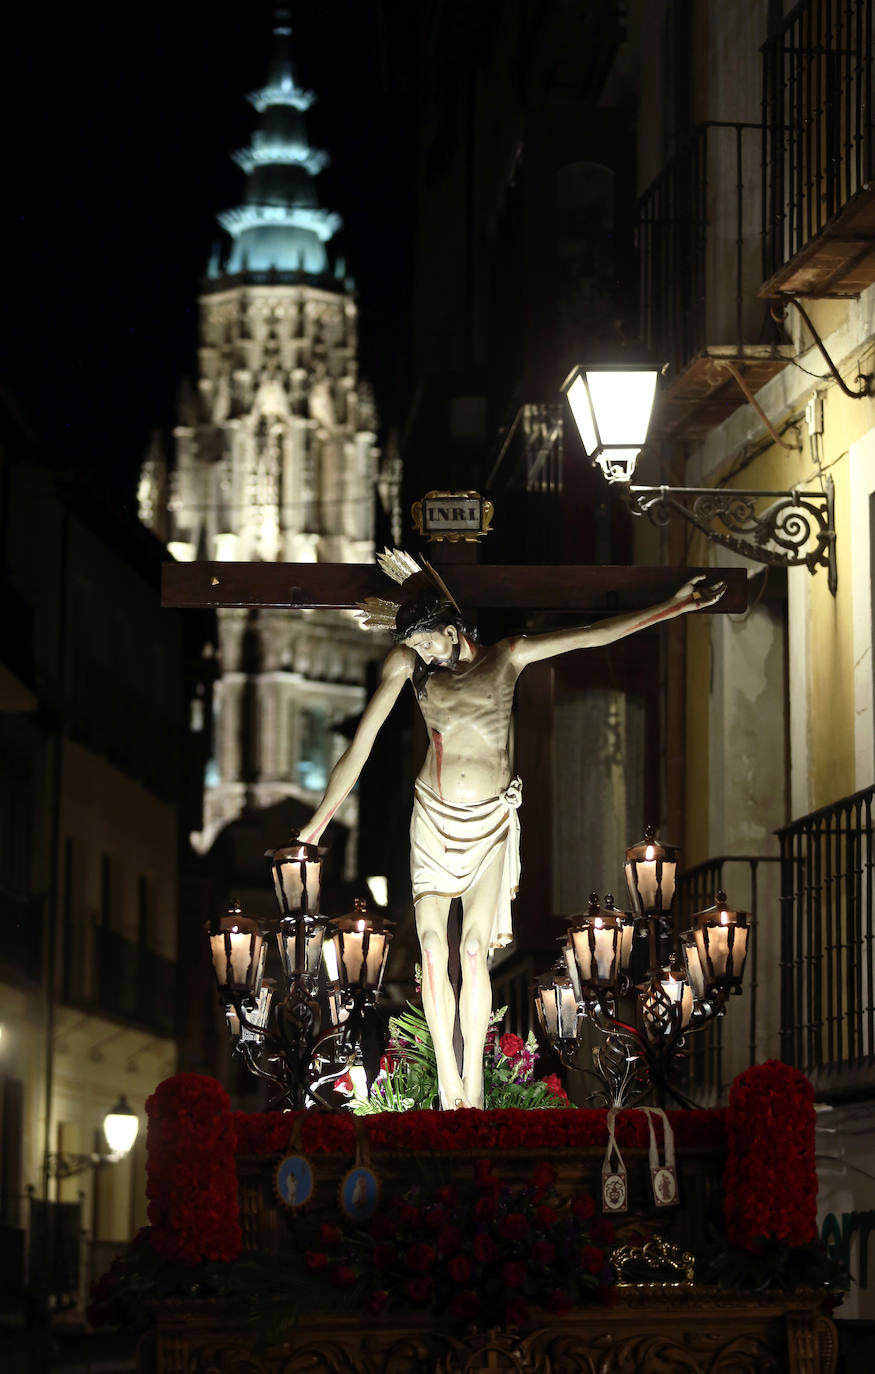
column 451, row 847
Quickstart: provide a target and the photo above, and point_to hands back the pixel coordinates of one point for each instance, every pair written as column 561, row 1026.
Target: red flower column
column 191, row 1176
column 770, row 1184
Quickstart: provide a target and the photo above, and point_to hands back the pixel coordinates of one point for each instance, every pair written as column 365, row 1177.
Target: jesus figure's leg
column 438, row 999
column 475, row 999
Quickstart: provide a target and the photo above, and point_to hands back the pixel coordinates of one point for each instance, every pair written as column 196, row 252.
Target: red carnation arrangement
column 770, row 1184
column 544, row 1130
column 191, row 1179
column 480, row 1250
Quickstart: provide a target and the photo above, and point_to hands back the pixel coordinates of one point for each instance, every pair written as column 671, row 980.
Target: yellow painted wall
column 831, row 700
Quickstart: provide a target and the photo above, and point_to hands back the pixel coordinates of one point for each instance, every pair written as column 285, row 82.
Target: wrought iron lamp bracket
column 62, row 1166
column 797, row 529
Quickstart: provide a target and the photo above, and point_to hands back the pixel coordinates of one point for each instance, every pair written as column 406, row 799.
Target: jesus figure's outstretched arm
column 692, row 596
column 396, row 670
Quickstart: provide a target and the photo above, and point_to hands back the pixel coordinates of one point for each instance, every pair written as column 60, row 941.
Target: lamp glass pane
column 573, row 974
column 545, row 1003
column 690, row 951
column 627, row 935
column 374, row 959
column 352, row 960
column 622, row 402
column 329, row 956
column 566, row 1011
column 580, row 409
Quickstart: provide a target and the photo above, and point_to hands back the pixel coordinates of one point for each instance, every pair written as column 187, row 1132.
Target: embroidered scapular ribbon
column 663, row 1176
column 615, row 1191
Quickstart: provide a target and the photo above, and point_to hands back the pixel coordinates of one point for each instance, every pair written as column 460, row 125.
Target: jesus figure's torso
column 467, row 711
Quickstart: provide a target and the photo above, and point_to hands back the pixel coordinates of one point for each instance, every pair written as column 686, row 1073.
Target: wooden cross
column 476, row 586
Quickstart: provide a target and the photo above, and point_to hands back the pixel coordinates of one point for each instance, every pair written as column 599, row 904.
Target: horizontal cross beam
column 335, row 586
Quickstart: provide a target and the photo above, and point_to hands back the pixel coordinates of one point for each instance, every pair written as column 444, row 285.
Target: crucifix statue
column 464, row 828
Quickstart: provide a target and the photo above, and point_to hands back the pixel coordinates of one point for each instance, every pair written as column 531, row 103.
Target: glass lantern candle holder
column 360, row 944
column 238, row 951
column 299, row 940
column 556, row 1006
column 595, row 938
column 297, row 877
column 651, row 868
column 721, row 935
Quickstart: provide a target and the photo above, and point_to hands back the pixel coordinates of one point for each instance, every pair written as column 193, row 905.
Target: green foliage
column 774, row 1264
column 264, row 1295
column 409, row 1081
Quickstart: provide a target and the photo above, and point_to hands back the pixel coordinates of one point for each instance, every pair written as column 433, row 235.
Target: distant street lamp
column 120, row 1127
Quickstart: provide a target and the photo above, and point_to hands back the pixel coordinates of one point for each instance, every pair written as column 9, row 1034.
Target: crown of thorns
column 422, row 589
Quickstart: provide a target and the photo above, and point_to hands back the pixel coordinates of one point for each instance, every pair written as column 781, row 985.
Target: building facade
column 755, row 234
column 275, row 459
column 94, row 753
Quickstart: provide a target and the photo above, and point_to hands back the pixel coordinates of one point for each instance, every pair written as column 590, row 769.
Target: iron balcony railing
column 745, row 878
column 827, row 974
column 817, row 121
column 699, row 245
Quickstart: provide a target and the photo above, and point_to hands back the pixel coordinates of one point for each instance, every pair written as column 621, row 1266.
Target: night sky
column 119, row 124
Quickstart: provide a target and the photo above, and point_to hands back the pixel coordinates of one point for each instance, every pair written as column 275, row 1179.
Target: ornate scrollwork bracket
column 796, row 528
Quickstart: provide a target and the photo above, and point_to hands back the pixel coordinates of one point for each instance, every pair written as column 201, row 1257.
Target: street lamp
column 120, row 1127
column 612, row 404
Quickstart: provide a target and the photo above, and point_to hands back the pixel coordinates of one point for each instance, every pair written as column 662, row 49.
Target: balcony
column 827, row 972
column 819, row 210
column 109, row 975
column 699, row 235
column 731, row 1043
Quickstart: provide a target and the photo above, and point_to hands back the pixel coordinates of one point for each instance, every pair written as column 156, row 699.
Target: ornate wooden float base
column 683, row 1330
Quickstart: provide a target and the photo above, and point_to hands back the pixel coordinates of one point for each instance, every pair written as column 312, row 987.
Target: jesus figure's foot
column 452, row 1103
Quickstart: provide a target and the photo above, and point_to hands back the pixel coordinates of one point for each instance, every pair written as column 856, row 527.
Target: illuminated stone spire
column 280, row 226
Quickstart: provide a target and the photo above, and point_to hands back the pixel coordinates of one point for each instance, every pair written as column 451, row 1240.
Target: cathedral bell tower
column 275, row 459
